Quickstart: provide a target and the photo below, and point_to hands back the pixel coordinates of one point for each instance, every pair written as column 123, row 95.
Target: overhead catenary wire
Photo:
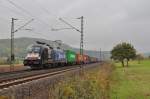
column 31, row 15
column 24, row 25
column 12, row 10
column 21, row 8
column 69, row 24
column 27, row 12
column 47, row 11
column 54, row 15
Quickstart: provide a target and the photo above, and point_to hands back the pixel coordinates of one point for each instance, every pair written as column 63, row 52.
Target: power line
column 46, row 11
column 28, row 13
column 11, row 10
column 24, row 25
column 24, row 10
column 49, row 13
column 19, row 7
column 69, row 24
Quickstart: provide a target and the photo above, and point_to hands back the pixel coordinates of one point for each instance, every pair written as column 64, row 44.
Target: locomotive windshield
column 35, row 49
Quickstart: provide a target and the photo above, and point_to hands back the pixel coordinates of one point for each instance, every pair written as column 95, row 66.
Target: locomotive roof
column 43, row 46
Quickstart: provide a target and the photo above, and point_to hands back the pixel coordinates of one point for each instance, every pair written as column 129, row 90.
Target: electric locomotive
column 37, row 55
column 42, row 55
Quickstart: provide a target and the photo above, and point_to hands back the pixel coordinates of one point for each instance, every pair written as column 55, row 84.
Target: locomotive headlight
column 39, row 57
column 33, row 55
column 28, row 56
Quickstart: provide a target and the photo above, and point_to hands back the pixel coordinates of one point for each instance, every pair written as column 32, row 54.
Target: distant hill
column 21, row 45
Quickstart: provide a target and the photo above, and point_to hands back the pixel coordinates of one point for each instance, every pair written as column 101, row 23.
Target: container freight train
column 42, row 55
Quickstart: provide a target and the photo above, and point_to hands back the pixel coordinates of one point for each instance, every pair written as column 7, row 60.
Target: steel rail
column 6, row 83
column 31, row 78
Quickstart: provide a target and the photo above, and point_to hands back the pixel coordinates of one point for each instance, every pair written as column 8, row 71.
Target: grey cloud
column 107, row 22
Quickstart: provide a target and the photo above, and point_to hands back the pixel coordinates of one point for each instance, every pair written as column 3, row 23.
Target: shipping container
column 79, row 59
column 86, row 59
column 93, row 59
column 70, row 56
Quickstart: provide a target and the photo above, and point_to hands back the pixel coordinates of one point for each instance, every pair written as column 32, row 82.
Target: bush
column 3, row 62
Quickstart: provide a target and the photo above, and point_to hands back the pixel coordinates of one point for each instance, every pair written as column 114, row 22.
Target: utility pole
column 103, row 56
column 100, row 55
column 81, row 41
column 12, row 56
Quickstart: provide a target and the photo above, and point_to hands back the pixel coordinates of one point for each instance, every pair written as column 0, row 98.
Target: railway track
column 19, row 78
column 31, row 78
column 20, row 74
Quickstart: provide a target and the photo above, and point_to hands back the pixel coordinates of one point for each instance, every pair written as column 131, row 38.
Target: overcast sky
column 107, row 22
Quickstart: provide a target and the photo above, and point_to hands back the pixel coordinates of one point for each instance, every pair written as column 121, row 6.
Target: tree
column 148, row 57
column 123, row 51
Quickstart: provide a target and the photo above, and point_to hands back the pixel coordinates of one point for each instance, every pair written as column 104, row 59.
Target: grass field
column 132, row 82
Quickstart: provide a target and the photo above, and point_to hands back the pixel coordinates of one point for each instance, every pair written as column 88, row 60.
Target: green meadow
column 131, row 82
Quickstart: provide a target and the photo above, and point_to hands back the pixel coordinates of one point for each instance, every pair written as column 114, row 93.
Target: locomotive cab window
column 35, row 49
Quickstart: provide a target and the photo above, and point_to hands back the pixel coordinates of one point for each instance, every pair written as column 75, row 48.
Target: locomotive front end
column 33, row 56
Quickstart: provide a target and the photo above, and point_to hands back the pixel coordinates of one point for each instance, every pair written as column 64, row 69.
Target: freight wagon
column 70, row 57
column 93, row 60
column 79, row 59
column 86, row 59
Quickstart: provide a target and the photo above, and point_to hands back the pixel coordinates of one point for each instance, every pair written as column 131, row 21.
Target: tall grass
column 94, row 85
column 3, row 62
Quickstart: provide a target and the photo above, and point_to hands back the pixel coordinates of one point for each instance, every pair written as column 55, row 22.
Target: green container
column 71, row 56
